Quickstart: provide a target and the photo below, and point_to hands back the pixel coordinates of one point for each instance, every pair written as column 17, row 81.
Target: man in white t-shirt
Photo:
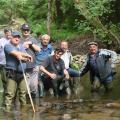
column 67, row 58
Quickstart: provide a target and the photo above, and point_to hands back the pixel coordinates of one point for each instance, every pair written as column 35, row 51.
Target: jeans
column 73, row 73
column 32, row 79
column 96, row 84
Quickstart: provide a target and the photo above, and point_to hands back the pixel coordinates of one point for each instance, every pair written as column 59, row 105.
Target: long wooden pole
column 27, row 87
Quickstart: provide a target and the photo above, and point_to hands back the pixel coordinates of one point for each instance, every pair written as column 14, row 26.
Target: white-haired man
column 45, row 50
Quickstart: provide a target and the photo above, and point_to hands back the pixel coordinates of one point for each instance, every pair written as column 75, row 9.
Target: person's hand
column 20, row 57
column 24, row 57
column 67, row 76
column 53, row 75
column 26, row 44
column 28, row 57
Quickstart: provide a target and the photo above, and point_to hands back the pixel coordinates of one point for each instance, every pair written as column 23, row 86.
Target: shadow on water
column 84, row 106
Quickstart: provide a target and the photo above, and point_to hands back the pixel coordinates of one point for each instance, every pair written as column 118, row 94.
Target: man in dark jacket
column 100, row 63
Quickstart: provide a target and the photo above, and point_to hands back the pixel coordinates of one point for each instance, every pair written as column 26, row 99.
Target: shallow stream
column 83, row 106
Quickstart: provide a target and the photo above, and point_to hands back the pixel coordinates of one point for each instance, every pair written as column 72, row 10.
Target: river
column 83, row 106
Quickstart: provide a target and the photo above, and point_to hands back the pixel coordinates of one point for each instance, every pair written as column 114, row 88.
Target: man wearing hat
column 15, row 53
column 3, row 41
column 30, row 44
column 100, row 63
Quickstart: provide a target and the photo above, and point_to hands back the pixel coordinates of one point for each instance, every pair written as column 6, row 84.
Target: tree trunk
column 49, row 17
column 59, row 11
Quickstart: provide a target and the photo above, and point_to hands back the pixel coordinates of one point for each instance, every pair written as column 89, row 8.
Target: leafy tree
column 99, row 17
column 93, row 11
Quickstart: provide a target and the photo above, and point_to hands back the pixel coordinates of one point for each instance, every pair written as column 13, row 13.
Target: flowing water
column 82, row 106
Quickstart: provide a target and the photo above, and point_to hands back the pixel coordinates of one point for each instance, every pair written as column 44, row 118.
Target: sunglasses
column 26, row 30
column 16, row 36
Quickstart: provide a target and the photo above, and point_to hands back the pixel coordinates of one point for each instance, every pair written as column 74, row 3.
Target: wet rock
column 80, row 59
column 113, row 105
column 118, row 60
column 45, row 104
column 67, row 117
column 58, row 106
column 78, row 100
column 115, row 114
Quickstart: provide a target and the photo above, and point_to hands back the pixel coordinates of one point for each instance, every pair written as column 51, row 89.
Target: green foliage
column 94, row 12
column 70, row 20
column 75, row 66
column 83, row 26
column 3, row 17
column 98, row 7
column 38, row 27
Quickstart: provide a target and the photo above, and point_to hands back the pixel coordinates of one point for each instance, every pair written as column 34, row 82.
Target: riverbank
column 80, row 59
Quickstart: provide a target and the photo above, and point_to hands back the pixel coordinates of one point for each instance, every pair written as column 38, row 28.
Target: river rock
column 80, row 59
column 67, row 117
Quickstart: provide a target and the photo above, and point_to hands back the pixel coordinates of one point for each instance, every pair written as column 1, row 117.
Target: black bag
column 19, row 76
column 14, row 75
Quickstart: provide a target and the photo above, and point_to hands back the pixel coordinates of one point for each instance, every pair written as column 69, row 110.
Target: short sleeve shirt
column 52, row 65
column 30, row 51
column 3, row 42
column 11, row 61
column 43, row 54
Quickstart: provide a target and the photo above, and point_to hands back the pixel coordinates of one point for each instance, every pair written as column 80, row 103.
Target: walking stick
column 27, row 86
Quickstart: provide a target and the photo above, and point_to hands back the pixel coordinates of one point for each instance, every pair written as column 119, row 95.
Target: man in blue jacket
column 45, row 50
column 100, row 63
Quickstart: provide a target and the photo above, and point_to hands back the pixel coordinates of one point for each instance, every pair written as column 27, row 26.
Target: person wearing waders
column 45, row 50
column 15, row 82
column 31, row 47
column 3, row 41
column 101, row 64
column 54, row 70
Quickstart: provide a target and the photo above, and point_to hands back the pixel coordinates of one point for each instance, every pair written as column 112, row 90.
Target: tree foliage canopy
column 99, row 17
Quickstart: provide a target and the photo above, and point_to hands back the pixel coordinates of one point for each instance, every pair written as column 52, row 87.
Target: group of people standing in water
column 47, row 68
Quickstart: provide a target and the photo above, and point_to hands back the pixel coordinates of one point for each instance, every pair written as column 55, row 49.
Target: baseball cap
column 16, row 33
column 92, row 43
column 25, row 27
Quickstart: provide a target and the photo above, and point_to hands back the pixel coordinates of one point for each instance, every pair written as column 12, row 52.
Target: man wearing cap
column 15, row 53
column 100, row 63
column 3, row 41
column 30, row 44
